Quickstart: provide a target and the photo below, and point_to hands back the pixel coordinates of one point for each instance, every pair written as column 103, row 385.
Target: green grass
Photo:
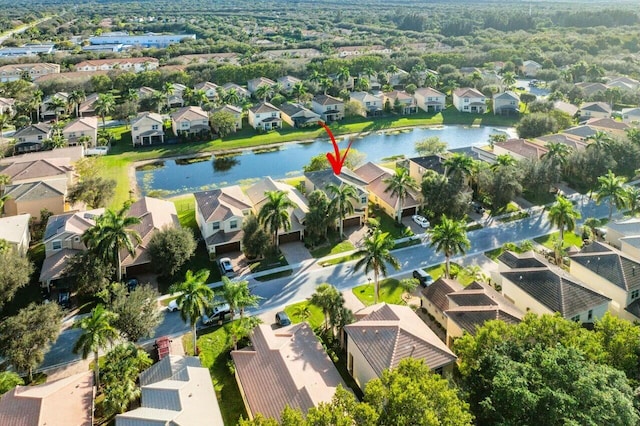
column 186, row 208
column 315, row 320
column 437, row 271
column 330, row 249
column 269, row 262
column 338, row 260
column 390, row 292
column 570, row 239
column 200, row 260
column 275, row 275
column 389, row 224
column 215, row 354
column 407, row 243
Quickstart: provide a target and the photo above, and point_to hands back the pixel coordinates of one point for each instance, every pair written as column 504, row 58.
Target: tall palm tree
column 376, row 254
column 199, row 97
column 299, row 90
column 97, row 333
column 195, row 296
column 343, row 75
column 276, row 88
column 400, row 185
column 341, row 203
column 157, row 99
column 274, row 214
column 503, row 160
column 557, row 153
column 131, row 95
column 563, row 215
column 475, row 78
column 458, row 166
column 633, row 199
column 363, row 84
column 509, row 79
column 105, row 105
column 613, row 188
column 601, row 140
column 326, row 297
column 33, row 104
column 4, row 120
column 75, row 99
column 450, row 238
column 325, row 84
column 263, row 92
column 232, row 97
column 238, row 296
column 55, row 104
column 111, row 233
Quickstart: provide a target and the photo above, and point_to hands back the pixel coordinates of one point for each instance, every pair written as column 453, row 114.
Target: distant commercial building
column 145, row 40
column 116, row 47
column 26, row 50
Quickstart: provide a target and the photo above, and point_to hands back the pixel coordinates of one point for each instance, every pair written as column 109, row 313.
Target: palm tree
column 376, row 253
column 157, row 99
column 329, row 299
column 55, row 104
column 105, row 105
column 274, row 214
column 601, row 140
column 341, row 204
column 263, row 92
column 591, row 223
column 509, row 79
column 612, row 187
column 276, row 88
column 4, row 120
column 75, row 99
column 326, row 84
column 400, row 185
column 131, row 95
column 195, row 296
column 450, row 238
column 476, row 78
column 199, row 97
column 302, row 311
column 97, row 332
column 111, row 233
column 557, row 153
column 238, row 296
column 363, row 84
column 503, row 160
column 633, row 199
column 232, row 97
column 343, row 75
column 299, row 90
column 241, row 329
column 563, row 215
column 458, row 166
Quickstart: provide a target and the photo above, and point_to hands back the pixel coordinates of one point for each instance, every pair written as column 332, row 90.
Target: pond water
column 174, row 177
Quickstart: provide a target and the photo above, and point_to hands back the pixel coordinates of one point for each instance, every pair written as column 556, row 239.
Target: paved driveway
column 295, row 252
column 415, row 228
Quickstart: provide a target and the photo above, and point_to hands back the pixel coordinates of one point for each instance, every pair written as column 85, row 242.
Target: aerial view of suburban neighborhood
column 319, row 213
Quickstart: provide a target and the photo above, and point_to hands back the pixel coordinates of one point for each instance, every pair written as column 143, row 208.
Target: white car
column 172, row 306
column 226, row 267
column 421, row 220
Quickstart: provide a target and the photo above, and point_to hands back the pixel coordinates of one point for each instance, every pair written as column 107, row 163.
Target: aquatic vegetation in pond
column 192, row 160
column 150, row 166
column 225, row 163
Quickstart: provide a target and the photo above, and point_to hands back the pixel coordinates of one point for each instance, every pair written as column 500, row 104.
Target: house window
column 635, row 294
column 56, row 245
column 135, row 129
column 367, row 103
column 154, row 127
column 329, row 108
column 72, row 135
column 246, row 212
column 466, row 108
column 575, row 318
column 439, row 371
column 215, row 226
column 274, row 114
column 39, row 137
column 363, row 199
column 76, row 238
column 233, row 224
column 590, row 315
column 466, row 100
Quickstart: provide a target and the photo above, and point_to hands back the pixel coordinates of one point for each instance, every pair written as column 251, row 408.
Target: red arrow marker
column 334, row 159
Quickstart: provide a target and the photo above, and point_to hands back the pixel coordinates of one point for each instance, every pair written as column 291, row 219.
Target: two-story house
column 418, row 166
column 373, row 105
column 32, row 137
column 175, row 97
column 46, row 112
column 147, row 129
column 264, row 116
column 430, row 100
column 233, row 110
column 210, row 89
column 240, row 91
column 190, row 121
column 530, row 68
column 220, row 214
column 126, row 64
column 81, row 131
column 288, row 82
column 15, row 231
column 506, row 103
column 329, row 108
column 594, row 110
column 467, row 99
column 297, row 115
column 400, row 101
column 253, row 84
column 32, row 197
column 631, row 115
column 87, row 108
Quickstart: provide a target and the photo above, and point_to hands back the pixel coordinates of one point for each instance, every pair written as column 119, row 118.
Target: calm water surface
column 171, row 178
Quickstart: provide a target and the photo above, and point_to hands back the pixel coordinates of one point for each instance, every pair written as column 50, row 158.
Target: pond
column 175, row 177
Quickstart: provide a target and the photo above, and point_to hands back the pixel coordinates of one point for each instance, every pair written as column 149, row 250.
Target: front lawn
column 462, row 277
column 389, row 224
column 269, row 262
column 570, row 239
column 275, row 275
column 330, row 249
column 315, row 320
column 199, row 260
column 338, row 260
column 390, row 292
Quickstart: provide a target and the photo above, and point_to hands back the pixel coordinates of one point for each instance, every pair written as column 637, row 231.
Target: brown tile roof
column 378, row 186
column 523, row 147
column 386, row 334
column 53, row 266
column 263, row 107
column 98, row 62
column 327, row 100
column 63, row 402
column 80, row 124
column 221, row 204
column 469, row 318
column 34, row 169
column 286, row 366
column 371, row 171
column 468, row 92
column 607, row 123
column 189, row 113
column 438, row 291
column 568, row 140
column 429, row 92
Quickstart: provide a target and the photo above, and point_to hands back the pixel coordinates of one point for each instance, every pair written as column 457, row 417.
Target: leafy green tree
column 15, row 272
column 241, row 329
column 263, row 92
column 97, row 333
column 450, row 238
column 430, row 146
column 9, row 380
column 401, row 184
column 274, row 213
column 620, row 340
column 458, row 166
column 536, row 124
column 612, row 188
column 526, row 99
column 170, row 248
column 87, row 273
column 563, row 215
column 376, row 254
column 95, row 192
column 320, row 162
column 223, row 122
column 25, row 338
column 137, row 312
column 255, row 240
column 633, row 199
column 317, row 221
column 341, row 203
column 122, row 366
column 195, row 296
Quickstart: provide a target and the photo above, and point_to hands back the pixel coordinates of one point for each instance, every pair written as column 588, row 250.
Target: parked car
column 226, row 268
column 219, row 312
column 172, row 306
column 282, row 319
column 424, row 278
column 64, row 298
column 477, row 207
column 421, row 220
column 132, row 283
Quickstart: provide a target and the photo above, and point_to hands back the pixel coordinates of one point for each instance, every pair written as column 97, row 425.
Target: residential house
column 506, row 103
column 175, row 391
column 467, row 99
column 590, row 89
column 14, row 72
column 294, row 364
column 15, row 231
column 571, row 141
column 143, row 40
column 373, row 105
column 241, row 91
column 147, row 129
column 220, row 214
column 547, row 289
column 210, row 89
column 400, row 101
column 175, row 98
column 288, row 82
column 8, row 106
column 329, row 108
column 613, row 273
column 566, row 107
column 61, row 402
column 126, row 64
column 530, row 68
column 145, row 92
column 624, row 83
column 257, row 195
column 203, row 58
column 376, row 177
column 298, row 116
column 321, row 179
column 384, row 335
column 594, row 110
column 430, row 100
column 87, row 108
column 265, row 116
column 470, row 307
column 253, row 84
column 582, row 132
column 345, row 51
column 233, row 110
column 72, row 153
column 418, row 166
column 81, row 131
column 32, row 137
column 31, row 198
column 190, row 121
column 613, row 127
column 47, row 113
column 520, row 149
column 631, row 116
column 54, row 170
column 398, row 78
column 617, row 230
column 434, row 300
column 291, row 54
